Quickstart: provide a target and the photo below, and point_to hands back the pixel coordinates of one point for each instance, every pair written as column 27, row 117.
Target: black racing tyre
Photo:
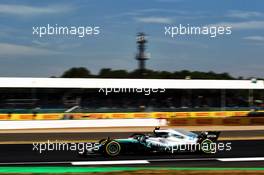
column 112, row 148
column 208, row 146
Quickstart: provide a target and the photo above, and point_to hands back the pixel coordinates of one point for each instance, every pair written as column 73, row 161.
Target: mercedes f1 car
column 160, row 141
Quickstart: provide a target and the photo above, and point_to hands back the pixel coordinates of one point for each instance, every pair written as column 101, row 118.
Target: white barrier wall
column 9, row 82
column 46, row 124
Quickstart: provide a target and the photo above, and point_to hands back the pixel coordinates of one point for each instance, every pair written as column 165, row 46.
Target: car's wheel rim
column 113, row 148
column 206, row 146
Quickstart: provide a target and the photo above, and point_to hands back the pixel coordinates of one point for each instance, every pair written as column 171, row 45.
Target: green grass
column 64, row 169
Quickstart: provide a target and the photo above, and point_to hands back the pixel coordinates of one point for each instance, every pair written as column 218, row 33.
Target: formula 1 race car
column 160, row 141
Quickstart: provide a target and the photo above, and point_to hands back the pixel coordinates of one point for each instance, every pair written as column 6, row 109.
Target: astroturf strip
column 63, row 169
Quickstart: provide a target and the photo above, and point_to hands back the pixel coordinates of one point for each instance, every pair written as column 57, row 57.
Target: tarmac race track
column 244, row 153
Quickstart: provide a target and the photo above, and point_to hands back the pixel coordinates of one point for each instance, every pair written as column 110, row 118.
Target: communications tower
column 141, row 56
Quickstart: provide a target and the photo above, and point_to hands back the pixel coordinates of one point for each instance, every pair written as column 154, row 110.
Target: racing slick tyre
column 208, row 146
column 112, row 148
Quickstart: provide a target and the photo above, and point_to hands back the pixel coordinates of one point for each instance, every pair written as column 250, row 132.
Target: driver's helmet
column 156, row 128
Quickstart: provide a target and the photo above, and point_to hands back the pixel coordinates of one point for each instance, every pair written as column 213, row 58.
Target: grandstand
column 56, row 95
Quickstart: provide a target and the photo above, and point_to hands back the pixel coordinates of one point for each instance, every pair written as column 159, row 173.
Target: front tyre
column 112, row 148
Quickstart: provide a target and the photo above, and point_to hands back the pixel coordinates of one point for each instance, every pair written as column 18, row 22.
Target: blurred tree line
column 82, row 72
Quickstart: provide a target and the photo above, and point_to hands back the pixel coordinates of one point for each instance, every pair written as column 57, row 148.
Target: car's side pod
column 211, row 135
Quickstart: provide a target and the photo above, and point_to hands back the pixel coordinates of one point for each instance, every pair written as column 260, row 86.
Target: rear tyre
column 208, row 146
column 112, row 148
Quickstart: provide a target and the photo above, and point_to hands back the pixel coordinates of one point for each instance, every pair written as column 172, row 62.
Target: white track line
column 175, row 160
column 238, row 159
column 120, row 162
column 117, row 162
column 33, row 163
column 241, row 159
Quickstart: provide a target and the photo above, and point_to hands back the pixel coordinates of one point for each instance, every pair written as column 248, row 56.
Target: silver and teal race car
column 160, row 141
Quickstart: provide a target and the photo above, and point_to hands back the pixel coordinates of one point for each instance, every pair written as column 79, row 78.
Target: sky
column 23, row 54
